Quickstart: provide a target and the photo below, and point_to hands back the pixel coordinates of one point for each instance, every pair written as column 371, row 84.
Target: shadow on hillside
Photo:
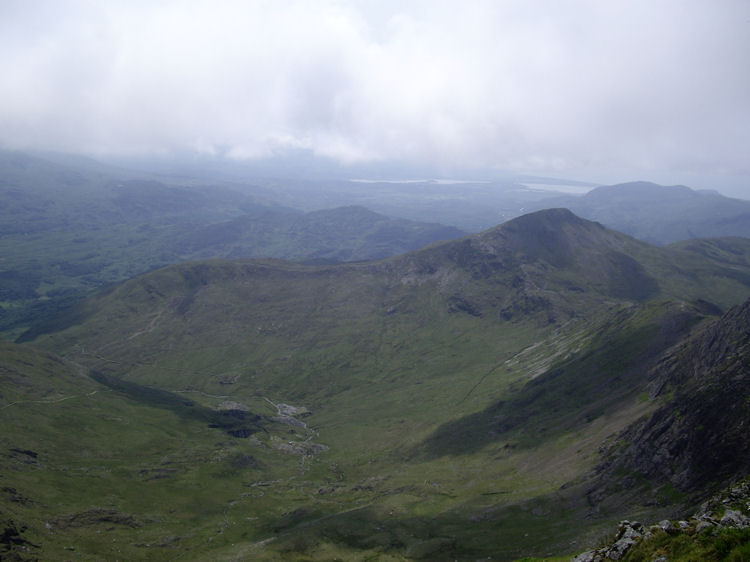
column 236, row 423
column 555, row 402
column 504, row 532
column 572, row 393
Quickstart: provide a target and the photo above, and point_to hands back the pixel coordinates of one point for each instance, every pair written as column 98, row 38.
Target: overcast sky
column 653, row 89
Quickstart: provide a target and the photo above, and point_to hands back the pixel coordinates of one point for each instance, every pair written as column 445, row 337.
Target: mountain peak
column 551, row 233
column 544, row 261
column 641, row 190
column 548, row 217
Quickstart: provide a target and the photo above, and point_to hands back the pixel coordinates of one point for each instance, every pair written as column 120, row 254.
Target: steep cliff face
column 699, row 439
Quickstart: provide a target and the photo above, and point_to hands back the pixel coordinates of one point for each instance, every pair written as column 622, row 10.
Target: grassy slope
column 387, row 356
column 92, row 473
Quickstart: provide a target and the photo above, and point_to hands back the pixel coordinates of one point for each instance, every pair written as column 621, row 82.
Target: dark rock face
column 699, row 438
column 96, row 516
column 13, row 545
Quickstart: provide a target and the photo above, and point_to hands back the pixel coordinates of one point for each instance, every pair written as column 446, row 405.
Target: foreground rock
column 728, row 510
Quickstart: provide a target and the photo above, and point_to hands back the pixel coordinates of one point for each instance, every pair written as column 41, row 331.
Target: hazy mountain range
column 71, row 225
column 403, row 390
column 661, row 214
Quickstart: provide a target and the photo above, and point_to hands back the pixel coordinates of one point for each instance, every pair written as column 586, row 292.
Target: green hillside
column 449, row 403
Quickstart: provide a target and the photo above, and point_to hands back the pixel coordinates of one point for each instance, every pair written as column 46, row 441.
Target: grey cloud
column 558, row 86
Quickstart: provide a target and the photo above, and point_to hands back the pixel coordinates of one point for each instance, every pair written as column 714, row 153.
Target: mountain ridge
column 586, row 259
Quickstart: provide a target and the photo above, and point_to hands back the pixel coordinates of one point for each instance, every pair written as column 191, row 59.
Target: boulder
column 736, row 519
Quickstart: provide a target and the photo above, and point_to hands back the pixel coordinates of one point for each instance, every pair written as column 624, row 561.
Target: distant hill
column 447, row 403
column 660, row 214
column 71, row 225
column 468, row 199
column 342, row 234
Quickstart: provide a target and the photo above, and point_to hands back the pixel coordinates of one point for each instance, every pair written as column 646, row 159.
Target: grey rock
column 288, row 420
column 630, row 533
column 733, row 518
column 621, row 547
column 231, row 405
column 667, row 526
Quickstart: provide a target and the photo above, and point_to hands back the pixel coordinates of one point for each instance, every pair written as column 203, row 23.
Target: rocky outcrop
column 728, row 510
column 13, row 544
column 96, row 516
column 628, row 534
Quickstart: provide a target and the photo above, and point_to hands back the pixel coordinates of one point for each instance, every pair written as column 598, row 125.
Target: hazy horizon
column 589, row 91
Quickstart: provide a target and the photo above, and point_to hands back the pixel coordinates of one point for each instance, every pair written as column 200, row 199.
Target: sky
column 588, row 89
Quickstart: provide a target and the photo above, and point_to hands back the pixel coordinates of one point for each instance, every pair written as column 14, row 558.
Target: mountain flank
column 699, row 436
